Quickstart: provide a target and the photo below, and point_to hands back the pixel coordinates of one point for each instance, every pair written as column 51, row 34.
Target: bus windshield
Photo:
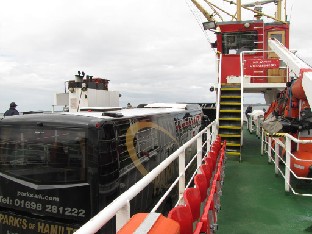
column 43, row 155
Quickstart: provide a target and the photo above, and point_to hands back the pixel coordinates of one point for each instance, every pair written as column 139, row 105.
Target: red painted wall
column 231, row 62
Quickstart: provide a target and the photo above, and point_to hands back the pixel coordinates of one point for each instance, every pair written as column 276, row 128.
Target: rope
column 220, row 9
column 213, row 9
column 199, row 23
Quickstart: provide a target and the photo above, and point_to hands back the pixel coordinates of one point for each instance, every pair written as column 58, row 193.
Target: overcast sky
column 150, row 50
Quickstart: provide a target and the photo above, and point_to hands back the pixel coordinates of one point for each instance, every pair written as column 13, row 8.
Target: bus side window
column 108, row 157
column 58, row 156
column 108, row 133
column 82, row 144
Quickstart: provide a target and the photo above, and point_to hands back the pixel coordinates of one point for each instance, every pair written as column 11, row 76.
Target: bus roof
column 85, row 117
column 150, row 109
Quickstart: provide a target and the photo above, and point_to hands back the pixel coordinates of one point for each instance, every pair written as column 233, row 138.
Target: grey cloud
column 150, row 50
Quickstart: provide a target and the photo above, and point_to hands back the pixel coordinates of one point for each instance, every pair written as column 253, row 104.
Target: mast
column 279, row 10
column 239, row 13
column 203, row 11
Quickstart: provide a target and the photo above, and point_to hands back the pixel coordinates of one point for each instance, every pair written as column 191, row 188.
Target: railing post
column 266, row 146
column 199, row 150
column 250, row 123
column 258, row 126
column 122, row 216
column 270, row 150
column 287, row 166
column 276, row 159
column 214, row 132
column 262, row 141
column 182, row 173
column 208, row 138
column 241, row 61
column 247, row 124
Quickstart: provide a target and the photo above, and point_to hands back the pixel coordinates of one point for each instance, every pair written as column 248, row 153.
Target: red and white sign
column 262, row 63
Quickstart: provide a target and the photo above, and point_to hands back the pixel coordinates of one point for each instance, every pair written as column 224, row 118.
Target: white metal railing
column 279, row 147
column 254, row 123
column 120, row 207
column 259, row 122
column 241, row 55
column 250, row 123
column 219, row 89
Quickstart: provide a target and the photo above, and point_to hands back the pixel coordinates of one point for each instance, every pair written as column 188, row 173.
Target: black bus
column 58, row 170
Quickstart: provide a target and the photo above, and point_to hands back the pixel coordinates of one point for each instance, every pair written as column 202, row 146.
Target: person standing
column 12, row 110
column 129, row 106
column 248, row 110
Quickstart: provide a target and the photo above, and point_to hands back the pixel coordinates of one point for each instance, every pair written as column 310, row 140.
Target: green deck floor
column 254, row 200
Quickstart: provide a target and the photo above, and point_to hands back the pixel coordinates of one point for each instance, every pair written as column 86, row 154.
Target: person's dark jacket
column 11, row 111
column 248, row 110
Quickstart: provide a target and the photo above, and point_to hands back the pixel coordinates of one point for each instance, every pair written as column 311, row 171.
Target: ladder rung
column 230, row 89
column 230, row 119
column 230, row 96
column 230, row 135
column 230, row 127
column 233, row 144
column 233, row 153
column 230, row 111
column 230, row 103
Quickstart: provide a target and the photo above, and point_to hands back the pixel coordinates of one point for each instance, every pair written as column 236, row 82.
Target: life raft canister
column 301, row 168
column 161, row 224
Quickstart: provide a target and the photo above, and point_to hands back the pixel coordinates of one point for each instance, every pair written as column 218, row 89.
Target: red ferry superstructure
column 245, row 65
